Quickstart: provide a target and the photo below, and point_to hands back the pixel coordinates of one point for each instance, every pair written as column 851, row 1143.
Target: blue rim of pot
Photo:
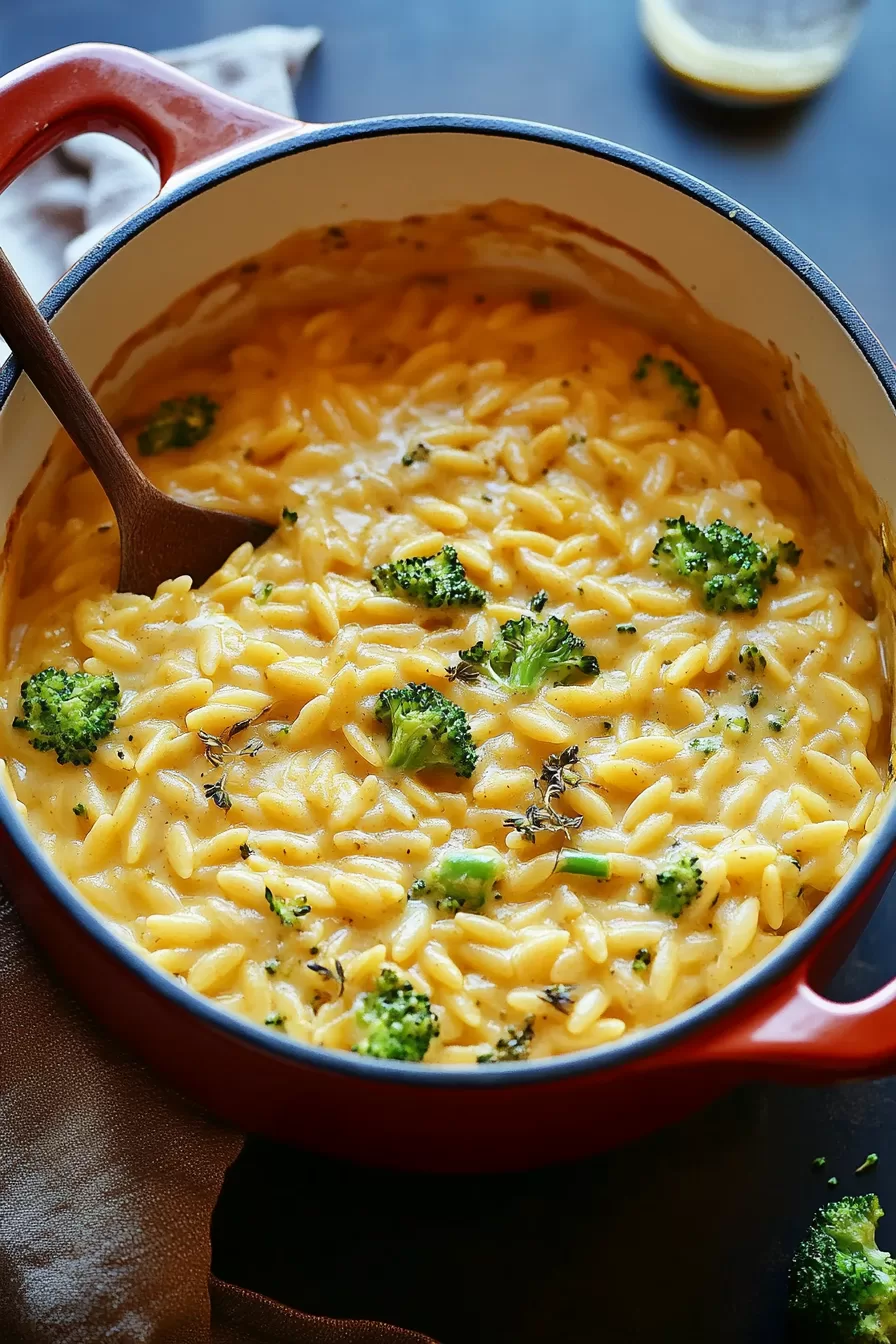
column 870, row 869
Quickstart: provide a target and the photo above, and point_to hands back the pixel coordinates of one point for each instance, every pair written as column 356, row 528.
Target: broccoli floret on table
column 426, row 728
column 68, row 712
column 842, row 1286
column 677, row 885
column 400, row 1022
column 461, row 878
column 527, row 654
column 438, row 580
column 178, row 423
column 726, row 567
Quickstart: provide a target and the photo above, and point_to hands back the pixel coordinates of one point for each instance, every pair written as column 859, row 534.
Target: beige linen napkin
column 107, row 1178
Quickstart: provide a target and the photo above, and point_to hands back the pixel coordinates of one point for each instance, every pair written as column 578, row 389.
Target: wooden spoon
column 161, row 538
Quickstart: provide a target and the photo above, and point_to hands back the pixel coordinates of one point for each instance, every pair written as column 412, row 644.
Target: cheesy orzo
column 512, row 427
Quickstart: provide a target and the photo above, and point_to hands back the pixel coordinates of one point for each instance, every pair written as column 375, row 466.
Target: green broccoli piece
column 431, row 580
column 512, row 1047
column 538, row 601
column 527, row 654
column 725, row 566
column 425, row 728
column 401, row 1022
column 68, row 712
column 706, row 746
column 289, row 516
column 288, row 909
column 752, row 658
column 655, row 372
column 178, row 423
column 677, row 885
column 461, row 878
column 778, row 719
column 642, row 959
column 585, row 865
column 842, row 1286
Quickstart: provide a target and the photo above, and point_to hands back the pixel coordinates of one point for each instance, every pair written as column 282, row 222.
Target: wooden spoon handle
column 52, row 373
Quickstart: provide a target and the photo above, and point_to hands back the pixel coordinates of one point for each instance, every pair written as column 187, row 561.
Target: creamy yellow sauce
column 547, row 466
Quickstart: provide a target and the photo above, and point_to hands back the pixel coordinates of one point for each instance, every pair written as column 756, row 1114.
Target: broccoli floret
column 726, row 566
column 778, row 719
column 288, row 909
column 432, row 580
column 677, row 885
column 706, row 746
column 527, row 654
column 401, row 1022
column 461, row 878
column 538, row 601
column 842, row 1286
column 512, row 1047
column 68, row 712
column 752, row 658
column 425, row 728
column 178, row 423
column 656, row 372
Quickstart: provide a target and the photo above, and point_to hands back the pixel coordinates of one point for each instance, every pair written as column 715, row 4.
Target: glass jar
column 752, row 51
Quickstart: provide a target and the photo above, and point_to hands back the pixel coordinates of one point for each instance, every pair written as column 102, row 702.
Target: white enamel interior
column 732, row 274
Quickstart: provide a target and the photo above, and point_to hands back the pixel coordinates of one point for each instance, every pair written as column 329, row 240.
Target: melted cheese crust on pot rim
column 547, row 466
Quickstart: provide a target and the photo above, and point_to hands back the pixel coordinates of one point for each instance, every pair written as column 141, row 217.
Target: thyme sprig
column 558, row 774
column 220, row 753
column 337, row 974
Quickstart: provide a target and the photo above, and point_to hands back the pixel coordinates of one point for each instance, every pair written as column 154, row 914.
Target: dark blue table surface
column 684, row 1236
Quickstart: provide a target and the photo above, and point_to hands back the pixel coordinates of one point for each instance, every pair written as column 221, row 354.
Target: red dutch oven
column 236, row 180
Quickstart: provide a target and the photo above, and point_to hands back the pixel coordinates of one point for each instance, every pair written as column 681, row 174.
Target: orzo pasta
column 718, row 772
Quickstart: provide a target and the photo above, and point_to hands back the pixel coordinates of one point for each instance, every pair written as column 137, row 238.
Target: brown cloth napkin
column 107, row 1185
column 107, row 1178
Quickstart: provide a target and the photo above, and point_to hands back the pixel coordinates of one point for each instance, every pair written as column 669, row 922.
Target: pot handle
column 171, row 118
column 798, row 1034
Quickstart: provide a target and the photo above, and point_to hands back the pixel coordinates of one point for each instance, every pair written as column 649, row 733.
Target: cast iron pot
column 235, row 181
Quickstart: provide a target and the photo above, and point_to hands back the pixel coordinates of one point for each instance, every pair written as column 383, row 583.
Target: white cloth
column 56, row 210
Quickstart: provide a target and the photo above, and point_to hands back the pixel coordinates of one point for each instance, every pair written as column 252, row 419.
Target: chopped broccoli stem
column 262, row 592
column 400, row 1021
column 512, row 1047
column 657, row 373
column 288, row 909
column 431, row 580
column 527, row 654
column 178, row 423
column 68, row 712
column 425, row 728
column 585, row 865
column 727, row 568
column 870, row 1161
column 461, row 878
column 677, row 885
column 819, row 1163
column 842, row 1285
